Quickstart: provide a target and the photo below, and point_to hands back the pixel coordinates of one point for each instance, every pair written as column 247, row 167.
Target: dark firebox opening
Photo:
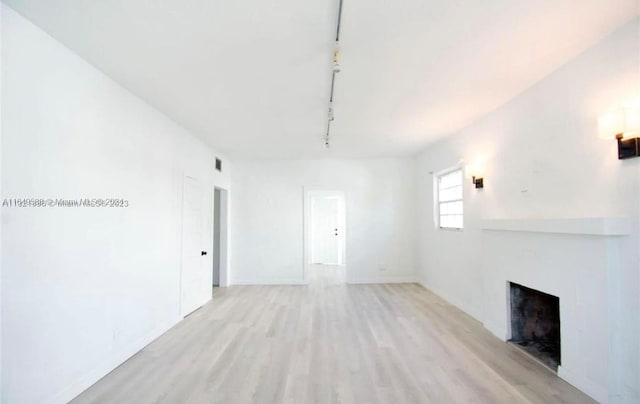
column 535, row 323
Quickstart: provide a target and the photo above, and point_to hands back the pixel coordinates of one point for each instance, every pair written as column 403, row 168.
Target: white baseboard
column 593, row 390
column 391, row 279
column 91, row 377
column 449, row 299
column 253, row 282
column 498, row 331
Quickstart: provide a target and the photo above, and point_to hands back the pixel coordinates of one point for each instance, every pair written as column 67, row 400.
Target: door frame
column 224, row 235
column 308, row 193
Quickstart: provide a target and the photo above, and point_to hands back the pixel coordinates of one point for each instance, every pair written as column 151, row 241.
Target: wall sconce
column 474, row 172
column 623, row 125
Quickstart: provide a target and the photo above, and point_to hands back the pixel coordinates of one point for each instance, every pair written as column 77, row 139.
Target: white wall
column 543, row 159
column 1, row 47
column 267, row 216
column 84, row 288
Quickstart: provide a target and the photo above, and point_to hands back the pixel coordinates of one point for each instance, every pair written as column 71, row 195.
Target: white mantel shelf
column 594, row 226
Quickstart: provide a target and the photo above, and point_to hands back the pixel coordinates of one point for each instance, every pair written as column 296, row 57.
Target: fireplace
column 535, row 323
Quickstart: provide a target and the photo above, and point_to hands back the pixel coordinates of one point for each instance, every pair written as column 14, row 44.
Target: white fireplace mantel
column 592, row 226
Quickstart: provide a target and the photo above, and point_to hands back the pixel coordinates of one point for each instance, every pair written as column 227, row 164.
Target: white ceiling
column 252, row 77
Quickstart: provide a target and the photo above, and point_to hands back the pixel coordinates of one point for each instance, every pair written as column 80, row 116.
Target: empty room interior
column 338, row 201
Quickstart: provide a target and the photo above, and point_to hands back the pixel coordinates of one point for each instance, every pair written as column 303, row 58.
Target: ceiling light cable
column 339, row 21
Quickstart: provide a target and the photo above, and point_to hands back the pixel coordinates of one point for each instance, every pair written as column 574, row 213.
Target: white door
column 325, row 230
column 192, row 271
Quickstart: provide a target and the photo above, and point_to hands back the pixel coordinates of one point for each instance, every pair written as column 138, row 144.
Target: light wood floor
column 329, row 343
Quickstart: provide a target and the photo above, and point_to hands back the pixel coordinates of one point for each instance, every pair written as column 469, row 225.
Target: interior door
column 325, row 243
column 192, row 271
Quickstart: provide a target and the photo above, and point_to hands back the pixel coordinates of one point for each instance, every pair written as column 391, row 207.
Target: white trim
column 592, row 226
column 436, row 196
column 358, row 281
column 250, row 282
column 391, row 279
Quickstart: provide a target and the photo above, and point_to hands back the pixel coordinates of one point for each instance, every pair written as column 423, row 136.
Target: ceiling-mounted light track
column 335, row 69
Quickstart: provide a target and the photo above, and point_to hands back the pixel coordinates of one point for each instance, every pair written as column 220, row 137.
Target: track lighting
column 334, row 70
column 336, row 58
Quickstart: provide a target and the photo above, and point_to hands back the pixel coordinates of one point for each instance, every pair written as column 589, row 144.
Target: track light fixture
column 335, row 69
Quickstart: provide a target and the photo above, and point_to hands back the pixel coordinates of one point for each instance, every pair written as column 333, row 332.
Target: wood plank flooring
column 330, row 343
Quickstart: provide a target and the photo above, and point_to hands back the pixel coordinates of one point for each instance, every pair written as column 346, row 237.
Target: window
column 450, row 210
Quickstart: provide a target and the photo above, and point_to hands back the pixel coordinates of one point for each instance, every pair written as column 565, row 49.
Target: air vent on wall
column 218, row 164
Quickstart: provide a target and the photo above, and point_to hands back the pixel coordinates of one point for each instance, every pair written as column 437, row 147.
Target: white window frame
column 436, row 197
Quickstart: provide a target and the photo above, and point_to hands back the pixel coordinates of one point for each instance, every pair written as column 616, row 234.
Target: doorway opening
column 220, row 236
column 325, row 235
